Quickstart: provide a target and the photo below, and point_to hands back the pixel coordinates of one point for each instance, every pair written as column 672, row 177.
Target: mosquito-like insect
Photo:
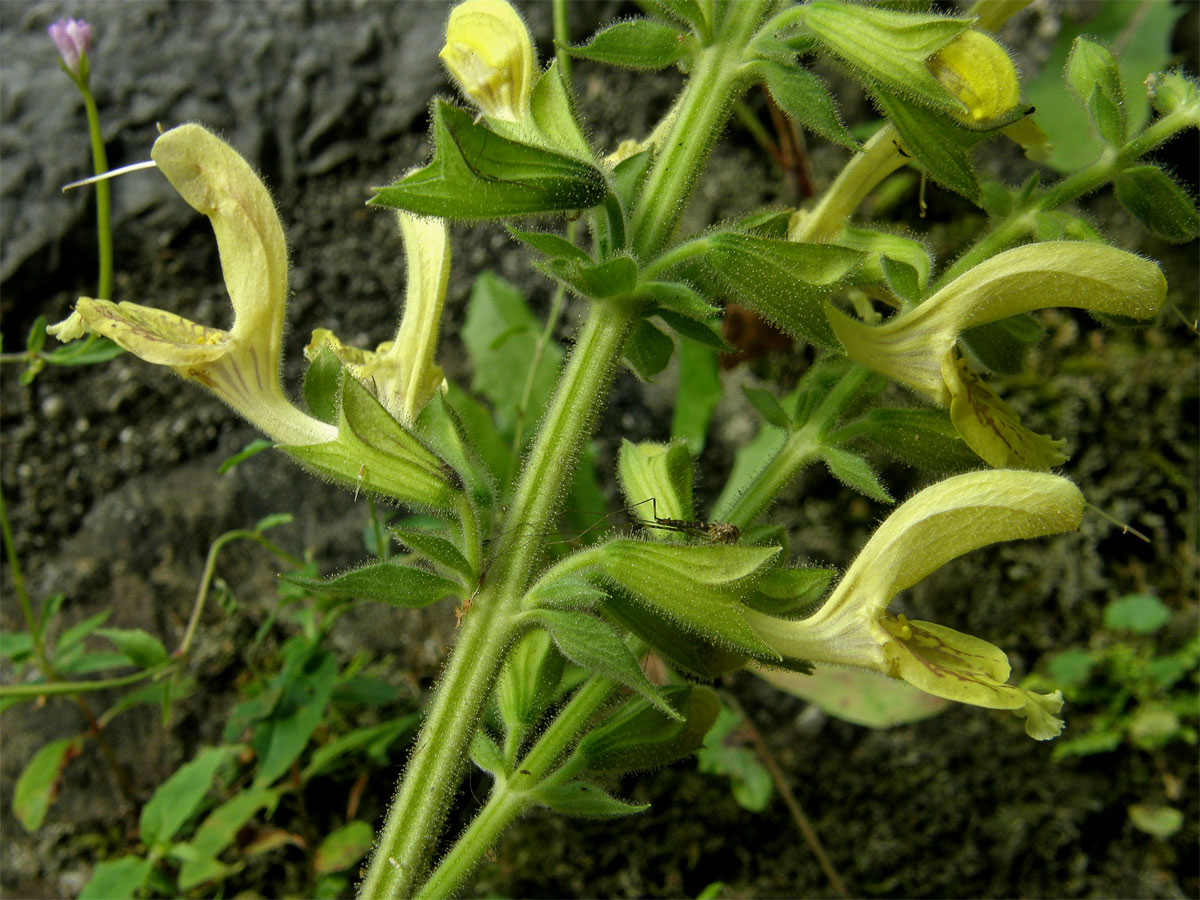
column 717, row 532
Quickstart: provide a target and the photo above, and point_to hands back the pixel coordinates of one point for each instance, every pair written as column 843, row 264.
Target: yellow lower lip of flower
column 956, row 666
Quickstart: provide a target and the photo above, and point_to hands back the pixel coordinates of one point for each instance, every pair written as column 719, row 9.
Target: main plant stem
column 417, row 815
column 701, row 115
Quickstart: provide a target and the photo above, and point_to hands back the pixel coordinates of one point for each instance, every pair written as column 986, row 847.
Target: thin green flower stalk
column 73, row 38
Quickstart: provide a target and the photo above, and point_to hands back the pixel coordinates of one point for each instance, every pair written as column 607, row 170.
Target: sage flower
column 980, row 74
column 938, row 524
column 918, row 347
column 489, row 52
column 401, row 373
column 241, row 365
column 73, row 38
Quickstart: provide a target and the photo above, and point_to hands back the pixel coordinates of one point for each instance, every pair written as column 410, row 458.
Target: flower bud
column 73, row 38
column 978, row 71
column 490, row 55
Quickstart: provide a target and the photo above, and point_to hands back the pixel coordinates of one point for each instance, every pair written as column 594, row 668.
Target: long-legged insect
column 717, row 532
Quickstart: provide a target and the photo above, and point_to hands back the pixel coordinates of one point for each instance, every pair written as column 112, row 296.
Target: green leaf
column 571, row 592
column 363, row 690
column 322, row 381
column 372, row 737
column 784, row 281
column 86, row 353
column 629, row 173
column 36, row 338
column 383, row 582
column 72, row 637
column 501, row 336
column 529, row 681
column 888, row 47
column 551, row 245
column 648, row 351
column 1139, row 613
column 689, row 12
column 122, row 877
column 1158, row 202
column 697, row 396
column 1071, row 668
column 251, row 449
column 585, row 801
column 1156, row 820
column 804, row 97
column 676, row 297
column 1144, row 30
column 343, row 847
column 657, row 473
column 855, row 472
column 768, row 407
column 1002, row 346
column 858, row 696
column 786, row 592
column 487, row 756
column 373, row 452
column 304, row 687
column 437, row 550
column 219, row 830
column 704, row 334
column 142, row 649
column 553, row 112
column 1095, row 78
column 596, row 281
column 941, row 148
column 902, row 263
column 593, row 645
column 636, row 44
column 48, row 612
column 37, row 785
column 638, row 737
column 16, row 645
column 179, row 797
column 750, row 779
column 477, row 174
column 925, row 438
column 479, row 431
column 697, row 586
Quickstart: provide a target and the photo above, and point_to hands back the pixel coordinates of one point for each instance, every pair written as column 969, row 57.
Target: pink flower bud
column 73, row 38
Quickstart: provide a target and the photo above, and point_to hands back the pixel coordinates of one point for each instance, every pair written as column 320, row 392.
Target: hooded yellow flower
column 241, row 365
column 937, row 525
column 401, row 372
column 490, row 55
column 918, row 347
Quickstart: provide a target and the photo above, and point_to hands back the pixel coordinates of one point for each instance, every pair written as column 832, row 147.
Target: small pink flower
column 73, row 38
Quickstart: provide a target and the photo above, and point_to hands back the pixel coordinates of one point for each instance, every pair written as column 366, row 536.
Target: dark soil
column 109, row 476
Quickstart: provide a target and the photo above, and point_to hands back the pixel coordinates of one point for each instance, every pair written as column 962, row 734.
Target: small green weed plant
column 546, row 688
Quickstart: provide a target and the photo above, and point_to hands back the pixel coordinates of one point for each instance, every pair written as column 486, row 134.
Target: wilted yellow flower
column 241, row 365
column 937, row 525
column 918, row 347
column 490, row 55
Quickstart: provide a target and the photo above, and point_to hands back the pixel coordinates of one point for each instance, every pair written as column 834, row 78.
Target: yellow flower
column 918, row 347
column 978, row 71
column 490, row 55
column 401, row 372
column 241, row 365
column 937, row 525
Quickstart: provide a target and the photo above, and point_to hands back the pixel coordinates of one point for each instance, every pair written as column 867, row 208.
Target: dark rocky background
column 110, row 476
